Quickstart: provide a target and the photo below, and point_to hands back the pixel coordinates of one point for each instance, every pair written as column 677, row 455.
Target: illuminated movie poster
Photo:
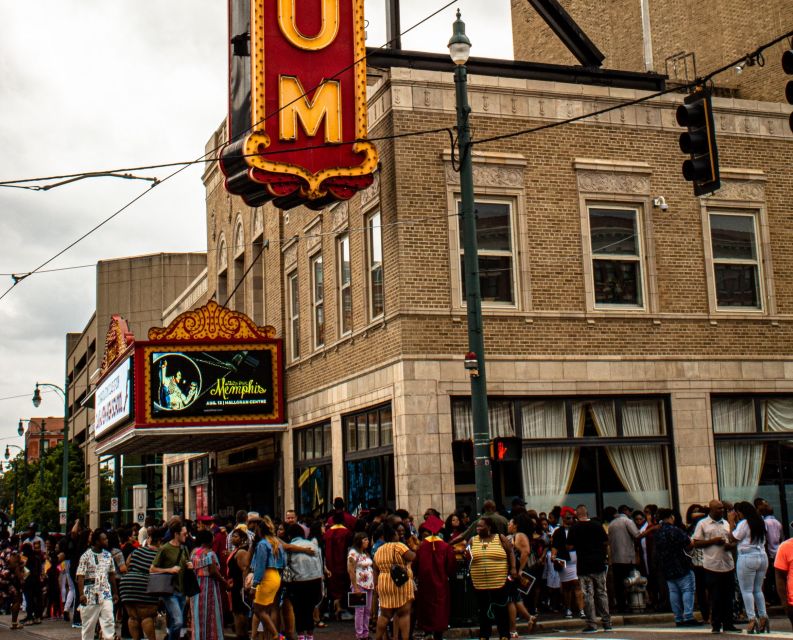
column 211, row 383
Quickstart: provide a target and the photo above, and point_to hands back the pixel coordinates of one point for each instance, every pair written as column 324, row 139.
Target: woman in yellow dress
column 395, row 599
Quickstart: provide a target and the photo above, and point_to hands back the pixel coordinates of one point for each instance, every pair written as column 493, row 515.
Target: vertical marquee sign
column 297, row 102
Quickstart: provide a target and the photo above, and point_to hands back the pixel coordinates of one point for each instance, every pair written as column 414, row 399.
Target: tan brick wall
column 552, row 323
column 717, row 32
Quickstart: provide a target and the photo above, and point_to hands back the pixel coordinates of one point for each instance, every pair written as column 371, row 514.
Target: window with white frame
column 294, row 314
column 736, row 261
column 494, row 235
column 616, row 242
column 318, row 300
column 344, row 283
column 375, row 264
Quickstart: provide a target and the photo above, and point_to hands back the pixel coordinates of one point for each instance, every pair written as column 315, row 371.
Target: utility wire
column 755, row 55
column 17, row 280
column 204, row 159
column 752, row 56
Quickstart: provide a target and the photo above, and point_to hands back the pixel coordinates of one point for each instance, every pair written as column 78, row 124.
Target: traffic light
column 787, row 67
column 699, row 142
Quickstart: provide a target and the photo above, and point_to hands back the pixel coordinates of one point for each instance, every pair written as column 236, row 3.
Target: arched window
column 223, row 272
column 238, row 302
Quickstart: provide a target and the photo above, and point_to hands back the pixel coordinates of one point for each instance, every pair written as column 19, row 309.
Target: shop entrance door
column 251, row 490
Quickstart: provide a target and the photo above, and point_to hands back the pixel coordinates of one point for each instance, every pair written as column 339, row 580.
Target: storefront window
column 599, row 452
column 754, row 450
column 313, row 469
column 176, row 489
column 369, row 458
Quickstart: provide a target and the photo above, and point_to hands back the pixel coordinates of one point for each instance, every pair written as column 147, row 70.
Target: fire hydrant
column 636, row 591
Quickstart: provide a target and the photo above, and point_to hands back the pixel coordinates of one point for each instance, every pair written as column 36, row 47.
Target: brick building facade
column 638, row 338
column 629, row 345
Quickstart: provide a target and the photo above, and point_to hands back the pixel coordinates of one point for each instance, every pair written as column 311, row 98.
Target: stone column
column 695, row 454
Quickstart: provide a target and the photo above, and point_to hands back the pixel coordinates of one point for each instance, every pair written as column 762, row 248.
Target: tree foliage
column 38, row 490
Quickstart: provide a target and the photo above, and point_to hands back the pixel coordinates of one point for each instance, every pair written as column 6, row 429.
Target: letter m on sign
column 297, row 104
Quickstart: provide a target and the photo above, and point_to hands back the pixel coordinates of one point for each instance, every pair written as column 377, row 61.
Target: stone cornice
column 420, row 90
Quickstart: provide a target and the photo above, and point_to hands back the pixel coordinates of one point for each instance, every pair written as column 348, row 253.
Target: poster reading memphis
column 202, row 383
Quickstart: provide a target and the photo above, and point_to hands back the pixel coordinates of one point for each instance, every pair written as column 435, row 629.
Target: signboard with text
column 209, row 384
column 113, row 399
column 297, row 102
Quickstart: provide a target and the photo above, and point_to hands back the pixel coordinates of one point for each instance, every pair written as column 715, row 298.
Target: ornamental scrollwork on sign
column 612, row 182
column 211, row 322
column 117, row 339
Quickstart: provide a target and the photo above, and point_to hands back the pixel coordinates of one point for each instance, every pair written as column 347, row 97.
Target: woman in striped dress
column 395, row 601
column 206, row 608
column 492, row 563
column 141, row 607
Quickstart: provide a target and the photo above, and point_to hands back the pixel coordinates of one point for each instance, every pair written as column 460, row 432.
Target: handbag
column 160, row 584
column 398, row 575
column 190, row 585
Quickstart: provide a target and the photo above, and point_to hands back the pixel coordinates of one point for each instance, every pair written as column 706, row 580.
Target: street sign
column 62, row 518
column 114, row 505
column 62, row 501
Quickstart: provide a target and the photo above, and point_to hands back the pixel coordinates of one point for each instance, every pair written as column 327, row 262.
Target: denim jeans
column 751, row 568
column 681, row 596
column 174, row 607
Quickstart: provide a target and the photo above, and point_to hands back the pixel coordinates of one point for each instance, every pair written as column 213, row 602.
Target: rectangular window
column 736, row 265
column 318, row 301
column 294, row 315
column 495, row 250
column 615, row 236
column 369, row 429
column 375, row 257
column 344, row 279
column 313, row 469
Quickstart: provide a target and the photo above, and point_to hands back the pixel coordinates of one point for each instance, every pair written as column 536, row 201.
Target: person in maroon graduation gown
column 434, row 565
column 338, row 539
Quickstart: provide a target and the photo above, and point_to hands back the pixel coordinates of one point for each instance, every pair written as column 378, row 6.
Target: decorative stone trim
column 490, row 170
column 289, row 251
column 745, row 185
column 340, row 215
column 606, row 176
column 313, row 234
column 371, row 192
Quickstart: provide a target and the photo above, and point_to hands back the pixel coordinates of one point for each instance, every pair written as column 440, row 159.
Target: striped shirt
column 488, row 563
column 135, row 582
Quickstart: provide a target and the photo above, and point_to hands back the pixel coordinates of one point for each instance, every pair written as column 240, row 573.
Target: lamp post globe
column 7, row 454
column 20, row 429
column 459, row 44
column 36, row 396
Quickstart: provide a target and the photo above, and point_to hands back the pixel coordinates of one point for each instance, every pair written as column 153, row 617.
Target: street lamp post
column 64, row 391
column 459, row 50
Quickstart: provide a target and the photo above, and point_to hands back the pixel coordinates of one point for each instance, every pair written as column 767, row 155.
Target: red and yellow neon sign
column 298, row 122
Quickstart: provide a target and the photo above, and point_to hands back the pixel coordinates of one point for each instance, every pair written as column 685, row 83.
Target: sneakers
column 568, row 615
column 589, row 630
column 346, row 616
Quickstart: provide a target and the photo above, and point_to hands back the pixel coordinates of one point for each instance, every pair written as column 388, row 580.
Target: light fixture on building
column 659, row 202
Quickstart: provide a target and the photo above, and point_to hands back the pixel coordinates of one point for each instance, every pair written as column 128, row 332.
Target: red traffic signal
column 699, row 142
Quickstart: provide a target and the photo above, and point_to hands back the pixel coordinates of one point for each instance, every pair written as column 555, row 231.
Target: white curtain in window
column 732, row 416
column 738, row 464
column 499, row 413
column 548, row 471
column 778, row 415
column 641, row 469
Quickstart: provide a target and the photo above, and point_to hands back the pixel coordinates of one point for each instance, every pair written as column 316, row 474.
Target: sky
column 91, row 85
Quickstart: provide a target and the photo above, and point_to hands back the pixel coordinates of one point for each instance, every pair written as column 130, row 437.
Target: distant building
column 34, row 442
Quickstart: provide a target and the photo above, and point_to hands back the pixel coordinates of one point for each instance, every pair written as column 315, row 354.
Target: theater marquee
column 297, row 104
column 209, row 376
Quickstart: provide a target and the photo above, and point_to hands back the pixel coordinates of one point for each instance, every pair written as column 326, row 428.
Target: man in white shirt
column 712, row 536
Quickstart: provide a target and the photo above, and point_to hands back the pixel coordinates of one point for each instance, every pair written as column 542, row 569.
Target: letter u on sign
column 287, row 21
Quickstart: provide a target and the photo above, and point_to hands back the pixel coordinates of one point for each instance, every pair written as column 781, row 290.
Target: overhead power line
column 754, row 55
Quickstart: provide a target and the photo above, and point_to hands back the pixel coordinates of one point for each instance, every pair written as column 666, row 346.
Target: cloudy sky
column 89, row 85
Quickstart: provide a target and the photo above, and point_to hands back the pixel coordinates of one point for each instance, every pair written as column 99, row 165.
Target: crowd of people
column 396, row 575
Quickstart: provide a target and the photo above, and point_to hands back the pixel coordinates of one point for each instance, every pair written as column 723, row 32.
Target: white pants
column 102, row 612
